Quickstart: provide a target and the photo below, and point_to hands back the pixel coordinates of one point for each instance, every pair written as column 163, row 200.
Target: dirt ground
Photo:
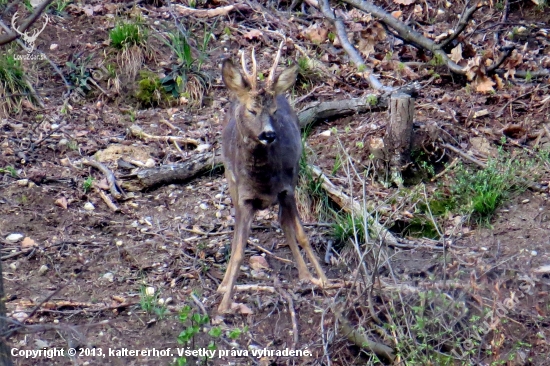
column 80, row 277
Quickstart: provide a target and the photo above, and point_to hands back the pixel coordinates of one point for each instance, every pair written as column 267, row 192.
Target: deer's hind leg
column 292, row 227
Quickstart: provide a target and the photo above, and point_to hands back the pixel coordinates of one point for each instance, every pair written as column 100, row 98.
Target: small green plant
column 9, row 170
column 87, row 184
column 360, row 144
column 480, row 192
column 528, row 76
column 195, row 324
column 149, row 302
column 437, row 60
column 400, row 67
column 59, row 6
column 337, row 164
column 80, row 75
column 372, row 99
column 72, row 145
column 28, row 5
column 185, row 78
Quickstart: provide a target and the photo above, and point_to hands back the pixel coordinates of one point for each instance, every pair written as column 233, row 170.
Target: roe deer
column 261, row 152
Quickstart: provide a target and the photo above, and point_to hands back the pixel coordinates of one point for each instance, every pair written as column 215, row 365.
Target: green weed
column 198, row 331
column 185, row 78
column 149, row 302
column 87, row 184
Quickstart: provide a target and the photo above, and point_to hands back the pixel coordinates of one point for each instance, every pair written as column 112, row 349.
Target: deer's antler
column 271, row 76
column 251, row 77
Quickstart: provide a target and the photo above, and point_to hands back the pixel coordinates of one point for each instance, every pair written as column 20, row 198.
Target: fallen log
column 172, row 173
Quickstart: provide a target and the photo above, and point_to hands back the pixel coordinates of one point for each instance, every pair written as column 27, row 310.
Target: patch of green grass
column 59, row 6
column 437, row 60
column 347, row 227
column 372, row 99
column 479, row 192
column 9, row 170
column 127, row 34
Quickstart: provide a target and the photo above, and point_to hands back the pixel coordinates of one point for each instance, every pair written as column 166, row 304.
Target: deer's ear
column 233, row 79
column 285, row 80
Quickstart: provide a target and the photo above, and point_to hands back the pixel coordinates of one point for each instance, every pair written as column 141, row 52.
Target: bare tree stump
column 397, row 141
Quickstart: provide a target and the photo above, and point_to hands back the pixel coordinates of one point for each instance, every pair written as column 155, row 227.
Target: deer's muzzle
column 267, row 137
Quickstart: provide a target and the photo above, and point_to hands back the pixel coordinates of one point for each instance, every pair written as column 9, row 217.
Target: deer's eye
column 252, row 112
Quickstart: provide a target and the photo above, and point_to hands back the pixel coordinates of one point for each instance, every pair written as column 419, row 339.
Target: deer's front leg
column 243, row 215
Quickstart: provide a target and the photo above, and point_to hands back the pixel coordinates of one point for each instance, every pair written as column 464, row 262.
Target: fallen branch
column 288, row 299
column 111, row 179
column 348, row 204
column 138, row 132
column 360, row 339
column 462, row 23
column 209, row 13
column 107, row 200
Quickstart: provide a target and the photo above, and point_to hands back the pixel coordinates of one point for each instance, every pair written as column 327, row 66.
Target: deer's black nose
column 267, row 137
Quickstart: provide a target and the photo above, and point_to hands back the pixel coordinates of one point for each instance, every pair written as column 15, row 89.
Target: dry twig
column 138, row 132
